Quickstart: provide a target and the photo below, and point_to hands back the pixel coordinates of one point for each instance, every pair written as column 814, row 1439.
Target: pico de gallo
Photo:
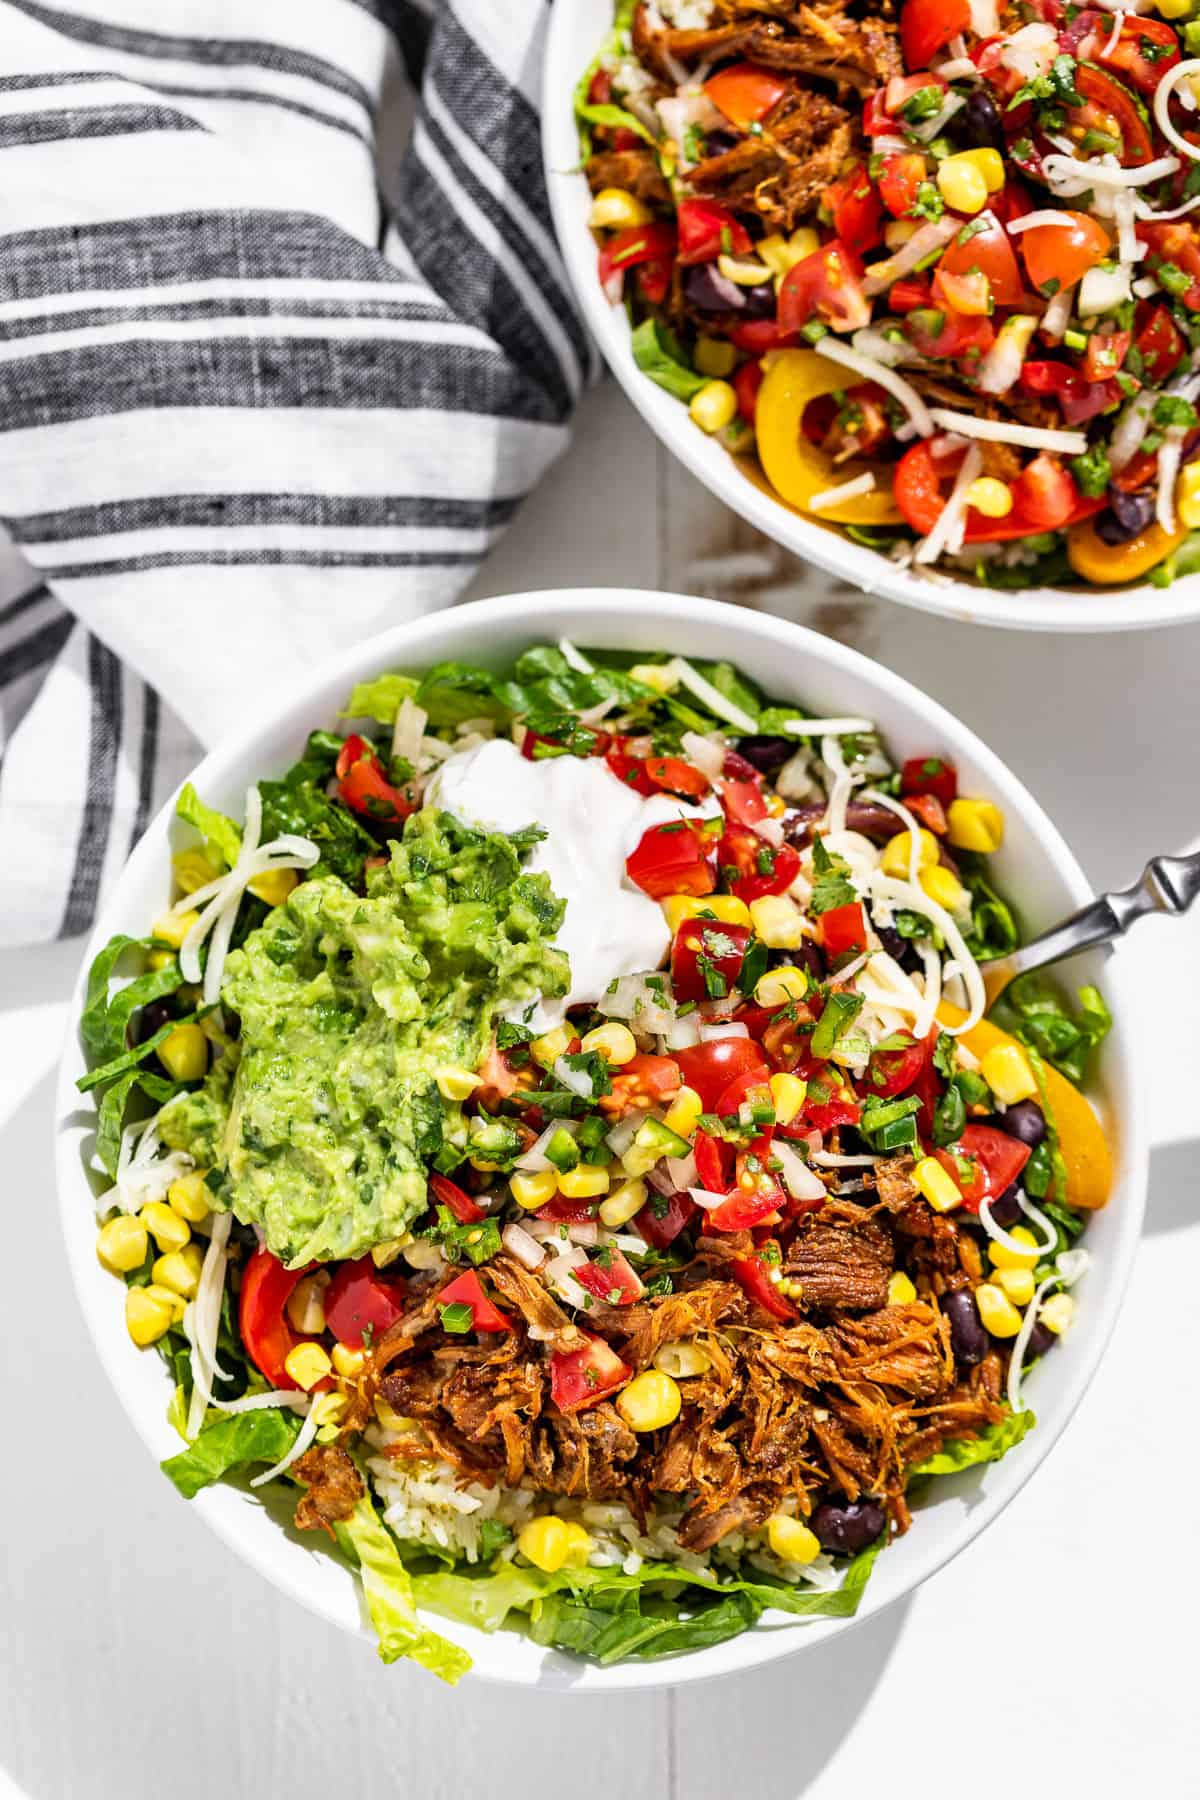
column 555, row 1129
column 935, row 266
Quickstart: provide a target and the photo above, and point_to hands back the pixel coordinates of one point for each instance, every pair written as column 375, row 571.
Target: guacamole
column 321, row 1119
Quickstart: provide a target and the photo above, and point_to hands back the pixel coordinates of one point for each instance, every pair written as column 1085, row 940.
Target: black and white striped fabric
column 284, row 340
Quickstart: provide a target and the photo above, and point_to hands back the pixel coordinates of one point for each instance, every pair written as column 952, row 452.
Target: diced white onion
column 724, row 1028
column 1131, row 429
column 799, row 1180
column 1162, row 113
column 707, row 1199
column 708, row 753
column 870, row 370
column 929, row 129
column 534, row 1161
column 681, row 1171
column 959, row 68
column 1103, row 290
column 409, row 731
column 828, row 1160
column 626, row 1129
column 1029, row 51
column 1169, row 458
column 847, row 490
column 683, row 1033
column 577, row 1081
column 526, row 1249
column 1003, row 431
column 575, row 659
column 1003, row 362
column 923, row 242
column 1057, row 315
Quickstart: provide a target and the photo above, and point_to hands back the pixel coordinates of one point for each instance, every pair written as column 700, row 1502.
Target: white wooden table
column 139, row 1659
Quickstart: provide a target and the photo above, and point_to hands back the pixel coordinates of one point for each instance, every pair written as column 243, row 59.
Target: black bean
column 848, row 1529
column 901, row 949
column 876, row 822
column 968, row 1339
column 1006, row 1208
column 152, row 1018
column 978, row 125
column 806, row 956
column 1025, row 1121
column 1041, row 1339
column 1126, row 516
column 710, row 292
column 767, row 754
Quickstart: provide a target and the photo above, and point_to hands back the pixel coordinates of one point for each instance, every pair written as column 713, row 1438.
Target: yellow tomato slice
column 1081, row 1140
column 795, row 468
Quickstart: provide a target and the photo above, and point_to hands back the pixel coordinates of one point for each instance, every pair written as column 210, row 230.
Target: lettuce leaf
column 230, row 1442
column 219, row 832
column 366, row 1542
column 988, row 1445
column 615, row 45
column 380, row 699
column 1032, row 1009
column 659, row 354
column 110, row 1116
column 105, row 1021
column 607, row 1614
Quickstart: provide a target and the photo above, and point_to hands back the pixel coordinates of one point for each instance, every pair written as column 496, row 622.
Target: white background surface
column 139, row 1659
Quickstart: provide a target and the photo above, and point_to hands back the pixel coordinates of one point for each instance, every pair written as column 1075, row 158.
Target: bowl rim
column 569, row 49
column 534, row 615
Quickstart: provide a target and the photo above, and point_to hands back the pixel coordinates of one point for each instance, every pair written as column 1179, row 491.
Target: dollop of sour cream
column 592, row 823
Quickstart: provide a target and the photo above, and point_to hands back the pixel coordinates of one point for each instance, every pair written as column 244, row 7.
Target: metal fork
column 1168, row 884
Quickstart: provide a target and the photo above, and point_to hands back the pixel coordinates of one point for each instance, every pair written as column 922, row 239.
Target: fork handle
column 1168, row 884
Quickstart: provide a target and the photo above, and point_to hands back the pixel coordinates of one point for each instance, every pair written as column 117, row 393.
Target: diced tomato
column 967, row 294
column 855, row 207
column 467, row 1290
column 269, row 1339
column 842, row 929
column 894, row 1071
column 499, row 1078
column 709, row 1068
column 359, row 1300
column 707, row 231
column 909, row 293
column 743, row 801
column 1108, row 102
column 579, row 1378
column 706, row 958
column 448, row 1193
column 746, row 1086
column 939, row 333
column 677, row 776
column 826, row 285
column 1063, row 253
column 715, row 1163
column 827, row 1115
column 752, row 867
column 753, row 1275
column 1176, row 242
column 785, row 1043
column 929, row 775
column 736, row 768
column 983, row 1163
column 901, row 89
column 928, row 1088
column 983, row 244
column 644, row 1081
column 363, row 785
column 1106, row 352
column 929, row 810
column 650, row 243
column 631, row 771
column 899, row 179
column 757, row 336
column 600, row 88
column 745, row 93
column 654, row 278
column 756, row 1193
column 1160, row 343
column 1144, row 52
column 671, row 859
column 927, row 25
column 747, row 380
column 564, row 1211
column 610, row 1278
column 1044, row 494
column 663, row 1218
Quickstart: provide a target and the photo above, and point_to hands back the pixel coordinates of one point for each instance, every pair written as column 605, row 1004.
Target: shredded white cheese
column 913, row 898
column 847, row 490
column 711, row 697
column 1030, row 221
column 202, row 1322
column 1001, row 431
column 1169, row 458
column 953, row 513
column 143, row 1173
column 1162, row 109
column 825, row 727
column 575, row 659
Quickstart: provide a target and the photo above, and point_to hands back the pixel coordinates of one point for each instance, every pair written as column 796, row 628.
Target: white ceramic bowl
column 792, row 664
column 577, row 28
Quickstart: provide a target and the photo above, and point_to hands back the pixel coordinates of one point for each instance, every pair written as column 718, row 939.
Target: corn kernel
column 306, row 1304
column 651, row 1401
column 146, row 1317
column 387, row 1252
column 189, row 1197
column 683, row 1114
column 175, row 1303
column 624, row 1203
column 615, row 1043
column 778, row 986
column 743, row 271
column 546, row 1542
column 791, row 1539
column 1057, row 1313
column 1000, row 1317
column 1002, row 1257
column 990, row 497
column 937, row 1186
column 121, row 1245
column 168, row 1230
column 1006, row 1070
column 455, row 1083
column 192, row 869
column 389, row 1418
column 897, row 852
column 713, row 407
column 579, row 1545
column 803, row 242
column 347, row 1363
column 989, row 163
column 1175, row 9
column 586, row 1182
column 901, row 1291
column 681, row 1359
column 532, row 1191
column 975, row 825
column 678, row 907
column 714, row 356
column 615, row 209
column 962, row 184
column 1187, row 491
column 184, row 1053
column 1018, row 1284
column 789, row 1094
column 550, row 1046
column 273, row 886
column 778, row 921
column 659, row 676
column 160, row 959
column 307, row 1364
column 173, row 927
column 943, row 887
column 780, row 253
column 327, row 1409
column 179, row 1270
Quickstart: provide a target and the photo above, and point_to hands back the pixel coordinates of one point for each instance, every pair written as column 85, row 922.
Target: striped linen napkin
column 275, row 371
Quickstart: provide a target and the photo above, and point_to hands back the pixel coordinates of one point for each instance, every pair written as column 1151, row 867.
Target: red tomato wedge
column 611, row 1280
column 983, row 1163
column 752, row 867
column 448, row 1193
column 707, row 231
column 899, row 179
column 745, row 93
column 856, row 210
column 363, row 786
column 269, row 1339
column 467, row 1290
column 706, row 958
column 927, row 25
column 753, row 1275
column 671, row 859
column 677, row 776
column 826, row 285
column 625, row 249
column 984, row 245
column 929, row 775
column 894, row 1071
column 1063, row 253
column 663, row 1218
column 358, row 1300
column 1108, row 102
column 644, row 1081
column 579, row 1378
column 632, row 772
column 842, row 929
column 715, row 1163
column 709, row 1068
column 921, row 483
column 1144, row 52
